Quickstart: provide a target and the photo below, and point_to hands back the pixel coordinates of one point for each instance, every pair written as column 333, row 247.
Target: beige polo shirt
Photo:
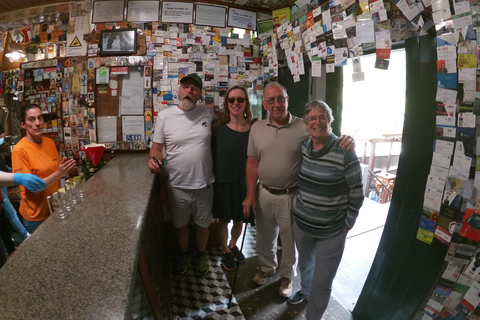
column 278, row 151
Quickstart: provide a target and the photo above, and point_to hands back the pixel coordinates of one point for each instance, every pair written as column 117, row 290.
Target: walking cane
column 252, row 222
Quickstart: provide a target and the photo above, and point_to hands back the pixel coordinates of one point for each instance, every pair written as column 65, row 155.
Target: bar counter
column 84, row 267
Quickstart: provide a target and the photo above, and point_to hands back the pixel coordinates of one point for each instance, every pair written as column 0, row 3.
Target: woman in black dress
column 230, row 140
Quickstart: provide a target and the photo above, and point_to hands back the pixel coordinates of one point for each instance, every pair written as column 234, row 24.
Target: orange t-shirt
column 41, row 160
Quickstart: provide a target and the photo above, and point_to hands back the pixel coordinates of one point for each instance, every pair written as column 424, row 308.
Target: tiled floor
column 207, row 297
column 197, row 297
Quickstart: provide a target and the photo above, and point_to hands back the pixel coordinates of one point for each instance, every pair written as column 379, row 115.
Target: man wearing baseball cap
column 185, row 132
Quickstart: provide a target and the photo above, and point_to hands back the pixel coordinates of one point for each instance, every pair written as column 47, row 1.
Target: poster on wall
column 76, row 46
column 142, row 11
column 108, row 11
column 244, row 19
column 107, row 128
column 177, row 12
column 213, row 16
column 133, row 128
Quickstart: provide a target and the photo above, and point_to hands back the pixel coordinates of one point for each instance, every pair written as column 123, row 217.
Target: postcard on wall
column 103, row 75
column 443, row 146
column 441, row 160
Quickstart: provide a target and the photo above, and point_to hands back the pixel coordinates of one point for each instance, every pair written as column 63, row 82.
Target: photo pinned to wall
column 82, row 111
column 147, row 71
column 73, row 119
column 91, row 97
column 147, row 94
column 68, row 143
column 20, row 86
column 51, row 102
column 93, row 135
column 67, row 85
column 80, row 122
column 81, row 100
column 148, row 122
column 68, row 133
column 91, row 113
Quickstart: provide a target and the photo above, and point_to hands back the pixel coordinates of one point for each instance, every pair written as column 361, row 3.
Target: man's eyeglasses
column 190, row 86
column 271, row 101
column 313, row 119
column 232, row 100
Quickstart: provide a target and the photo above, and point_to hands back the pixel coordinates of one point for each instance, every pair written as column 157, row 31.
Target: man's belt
column 280, row 191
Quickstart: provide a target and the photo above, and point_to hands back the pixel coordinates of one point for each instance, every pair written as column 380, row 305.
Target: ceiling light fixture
column 15, row 55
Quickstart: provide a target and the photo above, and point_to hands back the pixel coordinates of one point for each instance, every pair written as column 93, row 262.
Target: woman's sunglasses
column 232, row 100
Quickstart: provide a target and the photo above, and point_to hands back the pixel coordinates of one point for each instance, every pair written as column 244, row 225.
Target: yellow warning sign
column 75, row 42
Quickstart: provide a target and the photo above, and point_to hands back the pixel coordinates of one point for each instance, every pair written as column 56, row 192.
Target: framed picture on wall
column 118, row 42
column 142, row 11
column 244, row 19
column 177, row 12
column 213, row 16
column 108, row 11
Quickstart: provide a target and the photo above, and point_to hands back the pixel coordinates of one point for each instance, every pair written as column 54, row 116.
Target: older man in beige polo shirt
column 274, row 159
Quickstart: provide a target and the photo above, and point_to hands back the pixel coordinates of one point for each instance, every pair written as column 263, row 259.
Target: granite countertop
column 83, row 267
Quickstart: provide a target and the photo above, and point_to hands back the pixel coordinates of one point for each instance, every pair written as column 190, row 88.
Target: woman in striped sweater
column 326, row 207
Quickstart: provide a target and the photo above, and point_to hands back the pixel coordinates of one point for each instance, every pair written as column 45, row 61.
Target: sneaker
column 228, row 261
column 285, row 288
column 261, row 277
column 297, row 297
column 238, row 254
column 202, row 264
column 182, row 265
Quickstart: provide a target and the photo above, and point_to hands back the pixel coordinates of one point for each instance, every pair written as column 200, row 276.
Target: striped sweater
column 330, row 189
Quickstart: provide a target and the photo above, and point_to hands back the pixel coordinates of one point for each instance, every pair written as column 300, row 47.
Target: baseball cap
column 193, row 76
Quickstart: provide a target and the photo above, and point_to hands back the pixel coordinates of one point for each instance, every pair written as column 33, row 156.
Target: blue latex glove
column 29, row 181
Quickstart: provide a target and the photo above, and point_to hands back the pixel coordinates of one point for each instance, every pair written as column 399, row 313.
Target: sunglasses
column 232, row 100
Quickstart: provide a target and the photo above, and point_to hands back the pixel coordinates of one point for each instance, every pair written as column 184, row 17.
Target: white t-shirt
column 187, row 139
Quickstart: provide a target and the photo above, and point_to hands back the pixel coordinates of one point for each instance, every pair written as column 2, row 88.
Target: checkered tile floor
column 197, row 297
column 207, row 297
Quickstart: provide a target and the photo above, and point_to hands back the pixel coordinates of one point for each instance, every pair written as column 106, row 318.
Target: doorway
column 373, row 113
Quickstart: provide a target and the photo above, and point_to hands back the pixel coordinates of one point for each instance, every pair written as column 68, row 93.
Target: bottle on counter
column 85, row 170
column 101, row 164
